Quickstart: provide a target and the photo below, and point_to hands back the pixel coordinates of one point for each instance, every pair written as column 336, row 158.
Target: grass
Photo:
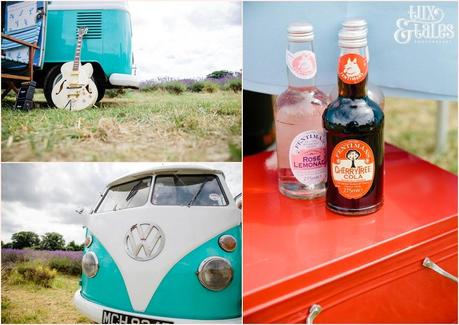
column 410, row 124
column 137, row 126
column 28, row 303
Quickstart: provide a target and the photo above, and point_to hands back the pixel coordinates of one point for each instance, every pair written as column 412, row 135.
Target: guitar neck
column 76, row 59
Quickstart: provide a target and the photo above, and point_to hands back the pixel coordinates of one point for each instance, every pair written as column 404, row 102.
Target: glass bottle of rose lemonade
column 300, row 139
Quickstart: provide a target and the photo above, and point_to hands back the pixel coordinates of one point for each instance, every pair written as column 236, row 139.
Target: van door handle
column 431, row 265
column 313, row 312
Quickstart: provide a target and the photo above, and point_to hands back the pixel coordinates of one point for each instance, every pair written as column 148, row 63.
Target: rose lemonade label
column 308, row 158
column 352, row 68
column 353, row 168
column 302, row 64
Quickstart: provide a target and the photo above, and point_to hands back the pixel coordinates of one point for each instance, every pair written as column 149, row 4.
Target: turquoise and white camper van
column 163, row 246
column 53, row 26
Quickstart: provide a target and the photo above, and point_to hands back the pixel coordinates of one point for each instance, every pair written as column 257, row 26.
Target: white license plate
column 110, row 317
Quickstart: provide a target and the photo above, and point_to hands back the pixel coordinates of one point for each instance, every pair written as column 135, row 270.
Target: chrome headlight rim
column 96, row 263
column 203, row 264
column 222, row 245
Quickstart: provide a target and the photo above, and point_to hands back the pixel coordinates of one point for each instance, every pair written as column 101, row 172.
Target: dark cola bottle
column 354, row 126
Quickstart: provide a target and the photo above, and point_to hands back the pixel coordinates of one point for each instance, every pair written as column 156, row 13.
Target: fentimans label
column 308, row 160
column 353, row 168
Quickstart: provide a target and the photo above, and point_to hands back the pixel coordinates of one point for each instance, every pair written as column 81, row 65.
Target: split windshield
column 127, row 195
column 188, row 190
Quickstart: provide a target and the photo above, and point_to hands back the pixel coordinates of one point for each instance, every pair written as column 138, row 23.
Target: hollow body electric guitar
column 75, row 90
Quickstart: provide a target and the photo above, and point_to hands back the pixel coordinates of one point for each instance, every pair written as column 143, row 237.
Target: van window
column 188, row 190
column 127, row 195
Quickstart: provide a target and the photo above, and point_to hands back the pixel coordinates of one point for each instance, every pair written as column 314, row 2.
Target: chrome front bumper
column 95, row 311
column 124, row 80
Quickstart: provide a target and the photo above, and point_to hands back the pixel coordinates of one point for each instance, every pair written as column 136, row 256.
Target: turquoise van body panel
column 108, row 41
column 180, row 294
column 107, row 287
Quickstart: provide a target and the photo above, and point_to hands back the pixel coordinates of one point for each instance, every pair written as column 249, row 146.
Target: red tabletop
column 284, row 237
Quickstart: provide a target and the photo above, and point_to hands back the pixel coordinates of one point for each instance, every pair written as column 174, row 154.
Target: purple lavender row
column 30, row 254
column 220, row 80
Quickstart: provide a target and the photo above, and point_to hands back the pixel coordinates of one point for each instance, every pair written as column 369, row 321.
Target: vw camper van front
column 163, row 246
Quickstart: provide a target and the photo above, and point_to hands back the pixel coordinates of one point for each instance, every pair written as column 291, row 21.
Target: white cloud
column 43, row 197
column 186, row 39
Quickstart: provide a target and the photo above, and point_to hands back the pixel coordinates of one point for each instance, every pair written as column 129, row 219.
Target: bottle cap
column 352, row 38
column 355, row 24
column 300, row 32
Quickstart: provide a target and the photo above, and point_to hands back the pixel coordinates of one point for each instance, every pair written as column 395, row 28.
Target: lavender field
column 64, row 262
column 222, row 82
column 11, row 255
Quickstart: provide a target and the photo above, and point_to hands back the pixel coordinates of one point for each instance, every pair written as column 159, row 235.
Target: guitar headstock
column 82, row 31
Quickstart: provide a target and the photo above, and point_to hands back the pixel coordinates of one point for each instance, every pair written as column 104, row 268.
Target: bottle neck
column 295, row 81
column 357, row 90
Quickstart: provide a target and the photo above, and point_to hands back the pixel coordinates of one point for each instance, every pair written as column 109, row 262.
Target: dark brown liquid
column 354, row 116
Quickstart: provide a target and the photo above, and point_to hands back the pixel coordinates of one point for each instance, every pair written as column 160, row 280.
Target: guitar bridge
column 75, row 86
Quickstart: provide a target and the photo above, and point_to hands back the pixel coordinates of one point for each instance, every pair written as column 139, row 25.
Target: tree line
column 50, row 241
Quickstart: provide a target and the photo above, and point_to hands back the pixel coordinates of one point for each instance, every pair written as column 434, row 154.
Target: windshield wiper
column 197, row 193
column 179, row 179
column 134, row 190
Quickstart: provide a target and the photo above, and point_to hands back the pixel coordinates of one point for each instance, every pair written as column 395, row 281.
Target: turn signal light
column 227, row 243
column 88, row 240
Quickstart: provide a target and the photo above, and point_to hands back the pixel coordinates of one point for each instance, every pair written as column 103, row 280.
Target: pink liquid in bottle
column 301, row 144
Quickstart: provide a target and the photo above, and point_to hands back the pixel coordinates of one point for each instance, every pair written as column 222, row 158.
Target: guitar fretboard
column 76, row 59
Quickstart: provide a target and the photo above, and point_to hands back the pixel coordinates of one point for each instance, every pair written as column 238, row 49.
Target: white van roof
column 170, row 169
column 88, row 5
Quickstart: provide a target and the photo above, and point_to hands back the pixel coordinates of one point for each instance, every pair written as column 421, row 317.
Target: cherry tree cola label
column 308, row 157
column 353, row 168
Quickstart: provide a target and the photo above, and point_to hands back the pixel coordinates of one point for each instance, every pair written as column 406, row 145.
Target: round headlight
column 88, row 240
column 227, row 243
column 90, row 264
column 215, row 273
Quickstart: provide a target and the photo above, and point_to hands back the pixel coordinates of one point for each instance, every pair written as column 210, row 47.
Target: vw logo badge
column 144, row 241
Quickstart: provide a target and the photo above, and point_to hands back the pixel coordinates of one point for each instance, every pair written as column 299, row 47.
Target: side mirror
column 238, row 200
column 84, row 215
column 83, row 211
